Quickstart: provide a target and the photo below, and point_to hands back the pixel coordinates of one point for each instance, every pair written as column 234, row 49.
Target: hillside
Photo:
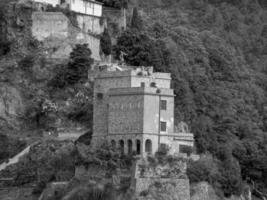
column 216, row 52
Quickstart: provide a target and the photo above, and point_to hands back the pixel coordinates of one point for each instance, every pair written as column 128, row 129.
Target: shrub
column 27, row 63
column 80, row 62
column 136, row 22
column 4, row 47
column 105, row 43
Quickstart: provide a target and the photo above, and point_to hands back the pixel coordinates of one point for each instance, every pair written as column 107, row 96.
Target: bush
column 105, row 43
column 137, row 22
column 4, row 47
column 27, row 63
column 76, row 70
column 80, row 63
column 115, row 3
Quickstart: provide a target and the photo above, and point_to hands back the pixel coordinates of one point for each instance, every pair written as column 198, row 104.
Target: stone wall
column 182, row 187
column 46, row 24
column 126, row 114
column 59, row 36
column 102, row 85
column 91, row 24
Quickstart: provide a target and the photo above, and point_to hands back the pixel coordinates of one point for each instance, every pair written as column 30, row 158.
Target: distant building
column 87, row 7
column 134, row 111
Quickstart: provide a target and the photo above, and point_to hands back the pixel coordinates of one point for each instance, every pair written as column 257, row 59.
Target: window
column 130, row 146
column 138, row 147
column 142, row 84
column 99, row 96
column 121, row 146
column 148, row 146
column 62, row 1
column 163, row 126
column 163, row 105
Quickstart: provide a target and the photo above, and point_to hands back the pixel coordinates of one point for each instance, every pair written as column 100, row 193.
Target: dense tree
column 80, row 62
column 115, row 3
column 136, row 22
column 217, row 63
column 76, row 70
column 105, row 42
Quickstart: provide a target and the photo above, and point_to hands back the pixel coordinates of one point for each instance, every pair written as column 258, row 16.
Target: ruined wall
column 152, row 176
column 49, row 24
column 181, row 186
column 59, row 36
column 90, row 24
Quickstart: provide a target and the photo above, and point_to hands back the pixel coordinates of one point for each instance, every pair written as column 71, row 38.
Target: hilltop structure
column 134, row 111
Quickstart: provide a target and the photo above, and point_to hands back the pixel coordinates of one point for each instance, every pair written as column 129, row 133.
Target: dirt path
column 15, row 159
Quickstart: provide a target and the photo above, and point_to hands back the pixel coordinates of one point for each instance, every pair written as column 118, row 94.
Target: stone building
column 134, row 111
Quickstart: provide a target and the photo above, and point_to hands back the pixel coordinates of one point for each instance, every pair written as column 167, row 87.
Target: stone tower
column 134, row 111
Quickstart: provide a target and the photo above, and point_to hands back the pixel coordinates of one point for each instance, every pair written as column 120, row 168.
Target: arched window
column 130, row 146
column 113, row 144
column 121, row 146
column 138, row 147
column 148, row 146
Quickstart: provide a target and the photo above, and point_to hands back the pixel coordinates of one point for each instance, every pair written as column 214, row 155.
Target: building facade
column 134, row 111
column 87, row 7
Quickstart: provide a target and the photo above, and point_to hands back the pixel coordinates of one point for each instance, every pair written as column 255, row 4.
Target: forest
column 216, row 53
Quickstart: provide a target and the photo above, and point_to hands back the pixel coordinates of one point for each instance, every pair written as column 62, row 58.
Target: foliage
column 27, row 62
column 115, row 3
column 105, row 157
column 10, row 147
column 80, row 107
column 86, row 138
column 105, row 42
column 137, row 47
column 136, row 22
column 215, row 53
column 223, row 177
column 93, row 192
column 46, row 161
column 80, row 62
column 4, row 47
column 76, row 70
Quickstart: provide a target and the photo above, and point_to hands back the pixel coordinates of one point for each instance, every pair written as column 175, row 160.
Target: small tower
column 134, row 111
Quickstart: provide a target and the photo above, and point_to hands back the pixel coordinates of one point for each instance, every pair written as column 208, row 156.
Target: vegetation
column 4, row 47
column 105, row 43
column 115, row 3
column 10, row 147
column 136, row 22
column 215, row 51
column 76, row 70
column 46, row 161
column 105, row 157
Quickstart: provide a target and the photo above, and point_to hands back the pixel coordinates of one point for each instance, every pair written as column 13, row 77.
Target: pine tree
column 105, row 43
column 80, row 62
column 136, row 22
